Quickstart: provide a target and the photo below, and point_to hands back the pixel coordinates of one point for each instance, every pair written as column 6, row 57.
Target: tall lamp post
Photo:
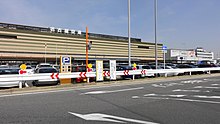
column 155, row 19
column 129, row 38
column 45, row 50
column 56, row 54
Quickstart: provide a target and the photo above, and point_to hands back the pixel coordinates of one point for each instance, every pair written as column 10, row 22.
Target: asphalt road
column 187, row 101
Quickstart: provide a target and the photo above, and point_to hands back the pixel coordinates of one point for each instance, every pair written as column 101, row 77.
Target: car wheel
column 35, row 83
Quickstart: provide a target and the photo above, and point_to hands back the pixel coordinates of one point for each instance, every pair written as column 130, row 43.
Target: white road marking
column 192, row 81
column 147, row 95
column 160, row 85
column 62, row 90
column 135, row 97
column 211, row 97
column 207, row 87
column 33, row 93
column 114, row 91
column 109, row 118
column 179, row 90
column 187, row 100
column 174, row 84
column 215, row 84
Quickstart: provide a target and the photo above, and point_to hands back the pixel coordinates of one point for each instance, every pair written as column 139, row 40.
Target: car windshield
column 146, row 67
column 28, row 67
column 48, row 70
column 79, row 69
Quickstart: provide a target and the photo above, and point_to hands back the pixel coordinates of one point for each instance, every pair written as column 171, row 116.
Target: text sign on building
column 66, row 60
column 99, row 70
column 112, row 64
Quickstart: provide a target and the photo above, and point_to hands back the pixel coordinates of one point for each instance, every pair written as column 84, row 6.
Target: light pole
column 129, row 37
column 45, row 50
column 56, row 54
column 155, row 38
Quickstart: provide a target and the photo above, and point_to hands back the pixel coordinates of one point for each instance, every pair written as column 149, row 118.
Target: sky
column 182, row 24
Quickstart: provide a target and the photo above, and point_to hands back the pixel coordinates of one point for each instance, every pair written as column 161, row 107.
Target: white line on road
column 147, row 95
column 179, row 90
column 207, row 87
column 108, row 118
column 135, row 97
column 158, row 85
column 113, row 91
column 187, row 100
column 61, row 90
column 211, row 97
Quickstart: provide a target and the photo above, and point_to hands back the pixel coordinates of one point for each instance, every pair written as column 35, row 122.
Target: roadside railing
column 32, row 77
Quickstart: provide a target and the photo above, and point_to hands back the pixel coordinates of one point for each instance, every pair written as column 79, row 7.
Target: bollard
column 133, row 77
column 87, row 79
column 190, row 73
column 20, row 84
column 165, row 74
column 26, row 85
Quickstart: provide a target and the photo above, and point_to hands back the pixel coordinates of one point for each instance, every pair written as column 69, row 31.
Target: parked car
column 46, row 81
column 123, row 68
column 157, row 74
column 145, row 67
column 41, row 65
column 188, row 66
column 79, row 68
column 173, row 73
column 8, row 71
column 209, row 66
column 30, row 70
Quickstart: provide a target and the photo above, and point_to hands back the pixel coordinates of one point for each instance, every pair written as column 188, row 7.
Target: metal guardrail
column 31, row 77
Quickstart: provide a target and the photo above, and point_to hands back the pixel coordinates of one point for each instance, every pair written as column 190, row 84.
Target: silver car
column 46, row 81
column 9, row 71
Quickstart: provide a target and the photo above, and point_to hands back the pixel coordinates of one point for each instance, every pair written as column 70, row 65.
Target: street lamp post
column 56, row 54
column 155, row 19
column 45, row 50
column 129, row 38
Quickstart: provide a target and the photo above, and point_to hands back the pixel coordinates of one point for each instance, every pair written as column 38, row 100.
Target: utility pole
column 155, row 17
column 56, row 54
column 87, row 41
column 45, row 50
column 129, row 37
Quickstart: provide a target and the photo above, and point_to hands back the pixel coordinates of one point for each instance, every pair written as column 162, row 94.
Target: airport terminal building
column 22, row 43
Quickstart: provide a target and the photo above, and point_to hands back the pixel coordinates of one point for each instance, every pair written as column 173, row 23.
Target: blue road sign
column 164, row 48
column 66, row 60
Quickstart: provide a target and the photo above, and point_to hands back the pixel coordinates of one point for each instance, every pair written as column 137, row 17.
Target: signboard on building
column 66, row 60
column 99, row 70
column 65, row 64
column 112, row 64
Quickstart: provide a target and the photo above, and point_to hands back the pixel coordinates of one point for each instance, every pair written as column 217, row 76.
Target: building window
column 144, row 47
column 8, row 36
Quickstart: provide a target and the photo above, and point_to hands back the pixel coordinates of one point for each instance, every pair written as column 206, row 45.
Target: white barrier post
column 20, row 84
column 87, row 79
column 133, row 76
column 190, row 73
column 165, row 74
